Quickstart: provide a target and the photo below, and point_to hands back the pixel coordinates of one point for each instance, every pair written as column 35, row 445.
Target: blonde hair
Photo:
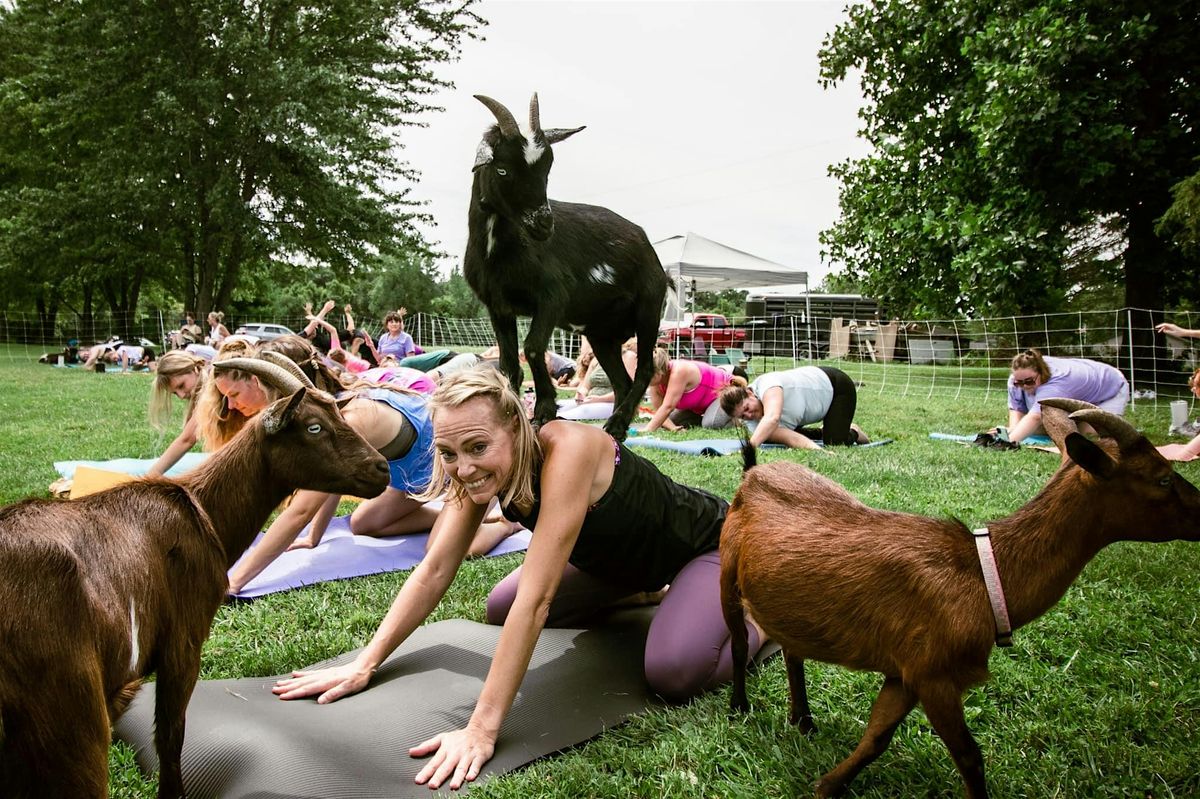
column 662, row 363
column 171, row 365
column 218, row 315
column 488, row 383
column 1032, row 359
column 1194, row 380
column 216, row 422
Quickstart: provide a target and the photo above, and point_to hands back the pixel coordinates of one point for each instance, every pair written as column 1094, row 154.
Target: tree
column 214, row 137
column 1001, row 129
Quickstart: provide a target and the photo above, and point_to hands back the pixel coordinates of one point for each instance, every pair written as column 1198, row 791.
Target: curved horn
column 508, row 123
column 279, row 359
column 535, row 115
column 1111, row 425
column 277, row 376
column 1066, row 404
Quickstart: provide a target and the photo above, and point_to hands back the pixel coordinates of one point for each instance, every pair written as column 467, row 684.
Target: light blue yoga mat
column 712, row 447
column 342, row 555
column 1032, row 440
column 134, row 466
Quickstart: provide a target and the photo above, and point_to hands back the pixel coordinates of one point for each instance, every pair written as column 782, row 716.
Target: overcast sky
column 701, row 116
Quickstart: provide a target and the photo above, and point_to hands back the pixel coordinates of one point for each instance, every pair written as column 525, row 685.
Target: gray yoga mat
column 242, row 741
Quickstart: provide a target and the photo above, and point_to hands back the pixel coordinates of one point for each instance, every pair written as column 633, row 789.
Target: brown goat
column 101, row 591
column 832, row 579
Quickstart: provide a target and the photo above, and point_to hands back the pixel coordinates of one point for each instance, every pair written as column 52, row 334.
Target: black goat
column 562, row 264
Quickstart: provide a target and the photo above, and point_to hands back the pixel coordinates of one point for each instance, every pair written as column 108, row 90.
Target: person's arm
column 348, row 318
column 665, row 403
column 182, row 444
column 572, row 458
column 334, row 342
column 320, row 523
column 1027, row 425
column 1175, row 330
column 279, row 535
column 419, row 595
column 1182, row 452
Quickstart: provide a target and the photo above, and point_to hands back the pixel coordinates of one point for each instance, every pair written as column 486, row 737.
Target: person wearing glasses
column 1036, row 377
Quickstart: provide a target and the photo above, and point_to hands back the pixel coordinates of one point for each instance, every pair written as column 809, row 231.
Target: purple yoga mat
column 342, row 555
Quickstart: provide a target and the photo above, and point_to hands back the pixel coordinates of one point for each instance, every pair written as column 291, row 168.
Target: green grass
column 1100, row 697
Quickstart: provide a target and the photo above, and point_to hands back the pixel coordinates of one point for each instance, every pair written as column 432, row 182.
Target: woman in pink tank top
column 684, row 393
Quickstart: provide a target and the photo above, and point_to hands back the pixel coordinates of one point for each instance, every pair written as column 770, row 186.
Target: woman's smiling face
column 244, row 396
column 476, row 448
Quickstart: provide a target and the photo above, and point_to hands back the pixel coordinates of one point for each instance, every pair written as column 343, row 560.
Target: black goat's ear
column 1090, row 457
column 279, row 414
column 483, row 156
column 555, row 135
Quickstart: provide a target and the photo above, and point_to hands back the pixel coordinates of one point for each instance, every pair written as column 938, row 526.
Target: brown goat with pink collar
column 99, row 592
column 834, row 580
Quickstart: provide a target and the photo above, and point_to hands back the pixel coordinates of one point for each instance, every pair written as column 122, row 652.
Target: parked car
column 263, row 331
column 713, row 329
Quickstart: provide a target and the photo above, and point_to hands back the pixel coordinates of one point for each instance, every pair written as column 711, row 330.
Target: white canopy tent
column 701, row 264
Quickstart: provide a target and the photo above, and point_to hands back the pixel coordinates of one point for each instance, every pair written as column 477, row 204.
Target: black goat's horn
column 508, row 123
column 275, row 375
column 1111, row 425
column 281, row 360
column 535, row 115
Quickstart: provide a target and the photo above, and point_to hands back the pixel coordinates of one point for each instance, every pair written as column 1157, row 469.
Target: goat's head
column 306, row 441
column 1152, row 501
column 513, row 167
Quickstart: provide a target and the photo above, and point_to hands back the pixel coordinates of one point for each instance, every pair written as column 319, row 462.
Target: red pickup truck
column 713, row 329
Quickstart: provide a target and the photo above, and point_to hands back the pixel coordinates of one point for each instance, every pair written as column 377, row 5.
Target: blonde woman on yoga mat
column 606, row 524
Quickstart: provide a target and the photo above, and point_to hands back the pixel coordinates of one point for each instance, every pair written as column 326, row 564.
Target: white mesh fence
column 913, row 357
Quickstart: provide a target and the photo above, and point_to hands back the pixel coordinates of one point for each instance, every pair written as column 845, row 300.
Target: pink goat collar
column 991, row 578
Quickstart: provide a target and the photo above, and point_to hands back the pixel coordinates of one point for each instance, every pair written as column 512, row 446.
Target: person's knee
column 499, row 603
column 676, row 677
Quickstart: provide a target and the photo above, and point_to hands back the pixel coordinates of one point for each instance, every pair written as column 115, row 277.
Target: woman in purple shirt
column 395, row 341
column 1036, row 377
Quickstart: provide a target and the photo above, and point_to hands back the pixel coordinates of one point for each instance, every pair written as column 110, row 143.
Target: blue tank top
column 412, row 472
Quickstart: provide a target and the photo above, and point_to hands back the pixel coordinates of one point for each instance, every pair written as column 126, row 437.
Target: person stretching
column 606, row 525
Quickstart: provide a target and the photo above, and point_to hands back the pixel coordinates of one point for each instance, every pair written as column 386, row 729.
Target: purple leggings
column 687, row 647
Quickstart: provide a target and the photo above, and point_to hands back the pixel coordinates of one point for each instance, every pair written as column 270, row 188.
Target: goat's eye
column 501, row 171
column 1165, row 482
column 314, row 428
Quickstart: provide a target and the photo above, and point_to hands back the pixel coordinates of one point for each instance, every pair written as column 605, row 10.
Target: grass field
column 1100, row 697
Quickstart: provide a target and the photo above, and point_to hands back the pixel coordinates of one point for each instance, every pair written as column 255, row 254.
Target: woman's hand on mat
column 332, row 683
column 301, row 543
column 457, row 756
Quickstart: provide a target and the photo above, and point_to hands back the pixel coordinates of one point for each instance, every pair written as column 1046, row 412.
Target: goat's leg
column 608, row 353
column 505, row 328
column 63, row 751
column 798, row 710
column 891, row 706
column 545, row 406
column 627, row 401
column 943, row 707
column 176, row 678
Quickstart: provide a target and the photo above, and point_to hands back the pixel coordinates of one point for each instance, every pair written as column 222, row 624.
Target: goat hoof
column 824, row 789
column 806, row 725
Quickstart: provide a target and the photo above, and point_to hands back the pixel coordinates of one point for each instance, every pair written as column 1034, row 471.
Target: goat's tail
column 749, row 452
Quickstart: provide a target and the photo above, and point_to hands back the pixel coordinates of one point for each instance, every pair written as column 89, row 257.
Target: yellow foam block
column 89, row 480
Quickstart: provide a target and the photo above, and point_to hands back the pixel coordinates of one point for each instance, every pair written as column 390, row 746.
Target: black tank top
column 644, row 529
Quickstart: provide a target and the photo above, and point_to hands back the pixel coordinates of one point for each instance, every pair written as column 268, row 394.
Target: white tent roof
column 716, row 267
